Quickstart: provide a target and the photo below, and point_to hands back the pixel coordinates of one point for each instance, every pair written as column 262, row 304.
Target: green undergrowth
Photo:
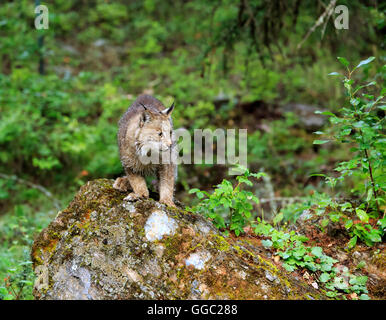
column 290, row 247
column 17, row 232
column 226, row 207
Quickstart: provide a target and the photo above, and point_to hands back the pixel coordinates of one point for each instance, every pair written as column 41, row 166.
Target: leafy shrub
column 361, row 126
column 228, row 206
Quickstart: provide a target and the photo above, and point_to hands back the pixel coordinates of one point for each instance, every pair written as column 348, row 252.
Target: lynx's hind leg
column 138, row 184
column 122, row 184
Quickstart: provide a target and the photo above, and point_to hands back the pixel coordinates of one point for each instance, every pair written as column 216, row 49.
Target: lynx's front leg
column 166, row 184
column 139, row 187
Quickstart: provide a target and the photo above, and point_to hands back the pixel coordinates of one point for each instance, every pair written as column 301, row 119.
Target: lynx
column 146, row 127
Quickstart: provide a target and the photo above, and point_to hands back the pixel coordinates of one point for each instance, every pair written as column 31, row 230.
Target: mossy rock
column 105, row 247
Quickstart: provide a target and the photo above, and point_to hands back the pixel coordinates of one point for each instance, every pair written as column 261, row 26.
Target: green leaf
column 343, row 61
column 288, row 267
column 331, row 294
column 339, row 283
column 279, row 217
column 193, row 190
column 324, row 277
column 355, row 101
column 374, row 236
column 349, row 224
column 258, row 175
column 346, row 206
column 345, row 132
column 359, row 280
column 364, row 62
column 311, row 266
column 369, row 194
column 321, row 141
column 199, row 195
column 299, row 252
column 362, row 215
column 364, row 297
column 352, row 242
column 334, row 74
column 372, row 83
column 302, row 238
column 382, row 222
column 266, row 243
column 325, row 113
column 317, row 251
column 317, row 175
column 324, row 222
column 359, row 124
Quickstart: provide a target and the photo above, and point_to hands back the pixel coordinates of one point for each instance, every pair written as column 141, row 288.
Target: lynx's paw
column 134, row 196
column 168, row 202
column 122, row 184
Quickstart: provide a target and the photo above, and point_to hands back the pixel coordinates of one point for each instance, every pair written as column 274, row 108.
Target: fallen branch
column 319, row 22
column 43, row 190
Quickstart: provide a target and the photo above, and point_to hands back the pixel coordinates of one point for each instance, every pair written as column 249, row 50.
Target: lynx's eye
column 160, row 134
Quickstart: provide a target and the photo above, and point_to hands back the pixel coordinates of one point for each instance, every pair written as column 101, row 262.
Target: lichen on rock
column 104, row 246
column 198, row 259
column 158, row 225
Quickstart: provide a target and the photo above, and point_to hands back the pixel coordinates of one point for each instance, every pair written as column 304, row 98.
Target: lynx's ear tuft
column 169, row 110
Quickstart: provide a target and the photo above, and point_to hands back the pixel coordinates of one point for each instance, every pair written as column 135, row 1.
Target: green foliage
column 355, row 221
column 345, row 214
column 229, row 200
column 17, row 232
column 292, row 250
column 343, row 281
column 296, row 254
column 62, row 134
column 18, row 284
column 228, row 206
column 359, row 125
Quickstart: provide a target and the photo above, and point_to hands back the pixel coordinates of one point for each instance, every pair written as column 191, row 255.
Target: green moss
column 221, row 243
column 180, row 272
column 238, row 249
column 172, row 245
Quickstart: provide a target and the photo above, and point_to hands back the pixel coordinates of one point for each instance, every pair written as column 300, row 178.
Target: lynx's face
column 154, row 133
